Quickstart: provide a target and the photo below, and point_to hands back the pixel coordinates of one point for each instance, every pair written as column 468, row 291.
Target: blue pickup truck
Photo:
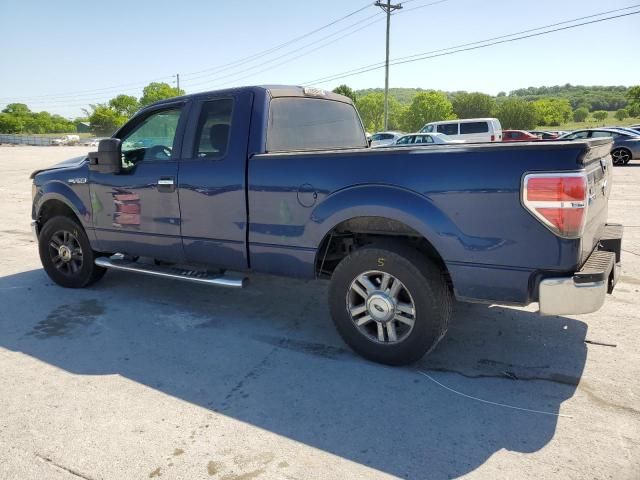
column 280, row 180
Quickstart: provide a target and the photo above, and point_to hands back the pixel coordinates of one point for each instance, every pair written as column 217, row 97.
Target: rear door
column 212, row 182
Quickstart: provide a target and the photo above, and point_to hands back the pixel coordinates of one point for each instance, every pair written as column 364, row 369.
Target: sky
column 63, row 56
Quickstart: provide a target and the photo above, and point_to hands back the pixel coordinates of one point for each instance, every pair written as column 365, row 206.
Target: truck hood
column 71, row 163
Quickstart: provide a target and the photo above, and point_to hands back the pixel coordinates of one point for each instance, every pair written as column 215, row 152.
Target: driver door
column 137, row 212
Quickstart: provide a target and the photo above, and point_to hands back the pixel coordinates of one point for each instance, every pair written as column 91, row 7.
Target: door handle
column 166, row 184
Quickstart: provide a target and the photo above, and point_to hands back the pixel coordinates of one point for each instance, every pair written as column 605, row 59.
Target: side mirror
column 108, row 158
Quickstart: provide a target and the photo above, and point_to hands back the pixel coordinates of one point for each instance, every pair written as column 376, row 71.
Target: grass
column 591, row 123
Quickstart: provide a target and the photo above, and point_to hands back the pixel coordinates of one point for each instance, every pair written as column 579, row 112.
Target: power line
column 208, row 82
column 217, row 77
column 297, row 56
column 78, row 93
column 460, row 48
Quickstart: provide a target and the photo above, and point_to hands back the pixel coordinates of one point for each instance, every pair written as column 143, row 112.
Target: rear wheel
column 390, row 303
column 620, row 156
column 66, row 254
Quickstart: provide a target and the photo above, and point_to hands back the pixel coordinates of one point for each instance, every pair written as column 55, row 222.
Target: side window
column 152, row 139
column 427, row 139
column 448, row 128
column 428, row 128
column 214, row 127
column 474, row 127
column 601, row 134
column 403, row 140
column 386, row 136
column 516, row 134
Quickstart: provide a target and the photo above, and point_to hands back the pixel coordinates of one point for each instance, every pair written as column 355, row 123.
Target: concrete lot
column 143, row 378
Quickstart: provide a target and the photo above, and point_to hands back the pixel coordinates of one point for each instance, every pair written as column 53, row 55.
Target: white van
column 468, row 129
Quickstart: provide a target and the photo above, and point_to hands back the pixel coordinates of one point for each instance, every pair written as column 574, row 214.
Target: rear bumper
column 585, row 290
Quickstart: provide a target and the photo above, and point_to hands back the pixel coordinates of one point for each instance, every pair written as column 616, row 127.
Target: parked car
column 518, row 136
column 279, row 180
column 426, row 139
column 626, row 146
column 384, row 138
column 543, row 134
column 468, row 129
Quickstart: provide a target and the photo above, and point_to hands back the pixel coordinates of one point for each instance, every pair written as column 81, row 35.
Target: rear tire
column 620, row 156
column 390, row 303
column 66, row 254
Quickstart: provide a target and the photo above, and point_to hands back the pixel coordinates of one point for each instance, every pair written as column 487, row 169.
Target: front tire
column 66, row 254
column 390, row 303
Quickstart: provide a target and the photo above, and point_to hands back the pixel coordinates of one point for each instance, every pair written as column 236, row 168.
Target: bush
column 621, row 114
column 580, row 114
column 600, row 115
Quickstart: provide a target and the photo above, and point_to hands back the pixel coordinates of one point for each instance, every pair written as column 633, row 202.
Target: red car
column 518, row 136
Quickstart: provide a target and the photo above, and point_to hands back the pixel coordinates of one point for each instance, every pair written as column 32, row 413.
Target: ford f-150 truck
column 280, row 180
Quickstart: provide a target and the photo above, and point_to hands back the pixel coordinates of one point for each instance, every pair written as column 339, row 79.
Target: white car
column 468, row 129
column 385, row 138
column 426, row 139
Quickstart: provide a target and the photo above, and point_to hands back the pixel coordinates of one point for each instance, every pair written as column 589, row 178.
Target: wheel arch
column 380, row 211
column 57, row 198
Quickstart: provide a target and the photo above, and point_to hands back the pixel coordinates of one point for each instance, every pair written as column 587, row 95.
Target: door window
column 448, row 128
column 473, row 127
column 214, row 128
column 152, row 139
column 424, row 139
column 404, row 140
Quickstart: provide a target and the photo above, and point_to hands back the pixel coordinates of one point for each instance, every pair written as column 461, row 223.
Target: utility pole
column 387, row 8
column 178, row 80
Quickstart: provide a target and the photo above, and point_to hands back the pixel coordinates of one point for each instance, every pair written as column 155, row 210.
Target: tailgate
column 599, row 167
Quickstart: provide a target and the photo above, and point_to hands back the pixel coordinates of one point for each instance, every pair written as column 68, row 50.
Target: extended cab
column 280, row 180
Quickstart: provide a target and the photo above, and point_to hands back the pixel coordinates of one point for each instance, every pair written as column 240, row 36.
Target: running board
column 195, row 276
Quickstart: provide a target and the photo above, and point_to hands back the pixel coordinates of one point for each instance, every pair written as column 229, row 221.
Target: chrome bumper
column 584, row 291
column 34, row 229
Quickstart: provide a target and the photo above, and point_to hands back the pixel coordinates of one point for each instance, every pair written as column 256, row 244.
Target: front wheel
column 66, row 254
column 390, row 303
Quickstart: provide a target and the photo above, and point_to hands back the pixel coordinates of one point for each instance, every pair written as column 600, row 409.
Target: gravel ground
column 142, row 378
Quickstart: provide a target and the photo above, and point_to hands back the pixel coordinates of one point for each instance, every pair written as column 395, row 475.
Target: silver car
column 426, row 139
column 381, row 139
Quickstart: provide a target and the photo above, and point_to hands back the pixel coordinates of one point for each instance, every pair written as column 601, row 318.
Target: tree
column 371, row 109
column 105, row 120
column 473, row 105
column 125, row 105
column 621, row 114
column 633, row 94
column 517, row 114
column 157, row 91
column 552, row 111
column 346, row 91
column 580, row 114
column 16, row 109
column 600, row 115
column 427, row 107
column 10, row 123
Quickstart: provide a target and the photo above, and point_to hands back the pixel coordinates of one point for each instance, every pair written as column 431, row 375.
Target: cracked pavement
column 138, row 377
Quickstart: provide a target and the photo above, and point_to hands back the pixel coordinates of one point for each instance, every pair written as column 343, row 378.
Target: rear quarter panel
column 464, row 199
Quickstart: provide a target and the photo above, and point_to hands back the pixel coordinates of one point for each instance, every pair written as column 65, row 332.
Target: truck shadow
column 269, row 356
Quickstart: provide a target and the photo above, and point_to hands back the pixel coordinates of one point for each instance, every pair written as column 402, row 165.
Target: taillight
column 493, row 138
column 559, row 200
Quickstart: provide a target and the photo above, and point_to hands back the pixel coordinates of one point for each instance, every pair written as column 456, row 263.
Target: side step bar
column 194, row 276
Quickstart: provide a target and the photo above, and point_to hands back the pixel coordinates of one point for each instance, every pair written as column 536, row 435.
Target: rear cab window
column 303, row 124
